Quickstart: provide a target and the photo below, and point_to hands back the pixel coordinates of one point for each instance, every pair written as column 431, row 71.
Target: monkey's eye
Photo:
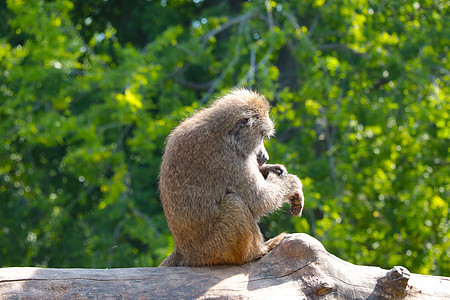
column 244, row 122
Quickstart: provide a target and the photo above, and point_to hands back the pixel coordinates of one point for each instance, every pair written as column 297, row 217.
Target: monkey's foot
column 270, row 244
column 296, row 204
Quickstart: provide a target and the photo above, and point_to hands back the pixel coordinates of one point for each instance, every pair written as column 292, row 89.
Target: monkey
column 215, row 185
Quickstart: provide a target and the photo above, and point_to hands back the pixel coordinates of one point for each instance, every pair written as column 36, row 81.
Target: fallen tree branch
column 299, row 268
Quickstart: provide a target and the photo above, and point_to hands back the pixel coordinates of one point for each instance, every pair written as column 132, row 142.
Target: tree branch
column 228, row 24
column 227, row 69
column 338, row 46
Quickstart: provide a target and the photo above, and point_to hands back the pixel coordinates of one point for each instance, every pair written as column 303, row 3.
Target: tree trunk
column 299, row 268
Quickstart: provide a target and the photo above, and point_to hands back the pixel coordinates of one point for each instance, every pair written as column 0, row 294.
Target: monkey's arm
column 275, row 190
column 278, row 169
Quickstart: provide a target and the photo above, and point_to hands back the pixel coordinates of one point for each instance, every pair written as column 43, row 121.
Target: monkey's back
column 193, row 177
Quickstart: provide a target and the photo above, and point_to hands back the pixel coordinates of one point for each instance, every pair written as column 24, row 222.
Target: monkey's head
column 243, row 118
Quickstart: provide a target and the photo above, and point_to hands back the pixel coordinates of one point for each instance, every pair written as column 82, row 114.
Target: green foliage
column 360, row 96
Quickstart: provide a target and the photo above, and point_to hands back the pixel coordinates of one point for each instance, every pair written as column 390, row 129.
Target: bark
column 299, row 268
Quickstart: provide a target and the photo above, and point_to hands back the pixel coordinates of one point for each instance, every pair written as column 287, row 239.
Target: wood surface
column 298, row 268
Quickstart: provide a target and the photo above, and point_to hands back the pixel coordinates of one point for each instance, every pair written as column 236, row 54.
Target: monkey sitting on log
column 215, row 185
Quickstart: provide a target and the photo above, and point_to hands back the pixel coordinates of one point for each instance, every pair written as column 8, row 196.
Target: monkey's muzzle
column 262, row 157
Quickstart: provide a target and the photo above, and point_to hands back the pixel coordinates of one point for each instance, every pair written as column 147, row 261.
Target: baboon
column 215, row 185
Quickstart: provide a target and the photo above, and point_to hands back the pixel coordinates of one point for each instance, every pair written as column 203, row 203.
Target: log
column 299, row 267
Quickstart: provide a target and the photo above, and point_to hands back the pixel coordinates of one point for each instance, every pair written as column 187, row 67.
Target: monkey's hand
column 279, row 170
column 297, row 201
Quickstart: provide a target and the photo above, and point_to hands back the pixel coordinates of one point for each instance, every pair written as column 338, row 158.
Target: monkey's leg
column 241, row 237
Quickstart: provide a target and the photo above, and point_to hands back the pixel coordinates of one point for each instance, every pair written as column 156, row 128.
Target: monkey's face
column 261, row 155
column 247, row 136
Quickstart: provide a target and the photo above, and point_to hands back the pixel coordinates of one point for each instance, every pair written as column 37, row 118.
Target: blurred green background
column 89, row 90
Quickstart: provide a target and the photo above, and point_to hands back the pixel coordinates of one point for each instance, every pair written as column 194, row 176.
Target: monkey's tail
column 173, row 260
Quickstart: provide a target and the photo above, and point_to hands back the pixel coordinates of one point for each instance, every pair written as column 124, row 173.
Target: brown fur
column 212, row 188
